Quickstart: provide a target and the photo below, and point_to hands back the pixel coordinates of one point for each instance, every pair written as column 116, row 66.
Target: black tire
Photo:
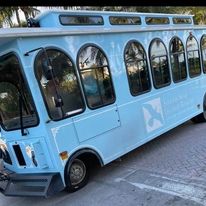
column 199, row 118
column 76, row 175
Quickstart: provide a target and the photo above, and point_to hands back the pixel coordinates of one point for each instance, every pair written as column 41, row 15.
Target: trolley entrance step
column 33, row 185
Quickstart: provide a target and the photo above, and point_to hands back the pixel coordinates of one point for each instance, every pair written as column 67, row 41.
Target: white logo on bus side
column 153, row 115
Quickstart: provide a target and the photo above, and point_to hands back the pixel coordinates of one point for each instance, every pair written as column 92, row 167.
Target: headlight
column 4, row 152
column 29, row 151
column 3, row 146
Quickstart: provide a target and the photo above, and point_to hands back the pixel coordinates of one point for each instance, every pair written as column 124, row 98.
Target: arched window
column 96, row 77
column 203, row 50
column 193, row 56
column 63, row 86
column 178, row 64
column 159, row 63
column 137, row 68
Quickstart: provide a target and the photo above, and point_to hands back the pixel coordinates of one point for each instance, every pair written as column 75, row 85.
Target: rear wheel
column 77, row 175
column 199, row 118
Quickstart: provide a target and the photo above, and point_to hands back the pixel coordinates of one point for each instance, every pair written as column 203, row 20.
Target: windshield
column 13, row 87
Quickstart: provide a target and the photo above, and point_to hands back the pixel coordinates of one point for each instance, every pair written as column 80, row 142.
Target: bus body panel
column 112, row 130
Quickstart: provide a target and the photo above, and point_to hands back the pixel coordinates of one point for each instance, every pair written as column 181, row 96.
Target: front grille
column 19, row 155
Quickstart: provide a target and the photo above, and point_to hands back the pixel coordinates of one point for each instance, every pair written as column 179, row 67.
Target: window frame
column 203, row 70
column 151, row 67
column 157, row 18
column 138, row 17
column 170, row 54
column 187, row 20
column 29, row 91
column 42, row 92
column 198, row 50
column 109, row 70
column 146, row 59
column 87, row 15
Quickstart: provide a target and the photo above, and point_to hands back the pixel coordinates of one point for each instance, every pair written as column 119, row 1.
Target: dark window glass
column 203, row 50
column 193, row 57
column 96, row 77
column 178, row 64
column 181, row 20
column 116, row 20
column 137, row 68
column 64, row 84
column 157, row 20
column 12, row 87
column 81, row 20
column 159, row 63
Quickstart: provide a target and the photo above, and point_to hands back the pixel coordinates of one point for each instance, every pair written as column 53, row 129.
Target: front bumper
column 44, row 184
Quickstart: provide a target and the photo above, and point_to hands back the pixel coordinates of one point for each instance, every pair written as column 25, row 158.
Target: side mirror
column 47, row 70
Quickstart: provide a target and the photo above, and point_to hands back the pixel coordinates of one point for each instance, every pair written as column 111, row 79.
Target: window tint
column 181, row 20
column 178, row 64
column 80, row 20
column 64, row 84
column 193, row 57
column 13, row 87
column 96, row 77
column 159, row 63
column 157, row 20
column 124, row 20
column 203, row 50
column 137, row 68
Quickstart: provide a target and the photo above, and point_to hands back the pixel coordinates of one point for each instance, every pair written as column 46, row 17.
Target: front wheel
column 77, row 175
column 199, row 118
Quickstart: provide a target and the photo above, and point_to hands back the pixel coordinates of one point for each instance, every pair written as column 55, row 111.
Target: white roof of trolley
column 51, row 18
column 121, row 13
column 49, row 25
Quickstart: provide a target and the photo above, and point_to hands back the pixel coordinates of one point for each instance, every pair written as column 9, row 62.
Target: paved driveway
column 170, row 170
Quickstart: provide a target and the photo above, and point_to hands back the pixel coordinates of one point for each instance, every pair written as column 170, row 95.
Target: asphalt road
column 170, row 170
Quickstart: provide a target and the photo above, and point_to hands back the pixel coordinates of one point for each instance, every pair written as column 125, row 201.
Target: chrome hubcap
column 77, row 172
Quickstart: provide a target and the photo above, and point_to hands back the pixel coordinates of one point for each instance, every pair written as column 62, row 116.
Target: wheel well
column 90, row 157
column 204, row 106
column 204, row 103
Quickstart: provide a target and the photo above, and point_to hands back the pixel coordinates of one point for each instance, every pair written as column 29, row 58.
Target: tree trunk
column 33, row 14
column 25, row 12
column 18, row 17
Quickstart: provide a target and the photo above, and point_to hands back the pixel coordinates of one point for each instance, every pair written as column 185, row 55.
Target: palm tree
column 29, row 11
column 5, row 16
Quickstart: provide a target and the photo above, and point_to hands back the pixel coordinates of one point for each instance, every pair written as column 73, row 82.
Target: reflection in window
column 64, row 84
column 124, row 20
column 137, row 68
column 203, row 50
column 178, row 64
column 96, row 77
column 159, row 63
column 157, row 20
column 182, row 20
column 81, row 20
column 12, row 87
column 193, row 57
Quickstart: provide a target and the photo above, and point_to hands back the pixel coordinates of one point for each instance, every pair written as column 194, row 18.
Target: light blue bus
column 79, row 88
